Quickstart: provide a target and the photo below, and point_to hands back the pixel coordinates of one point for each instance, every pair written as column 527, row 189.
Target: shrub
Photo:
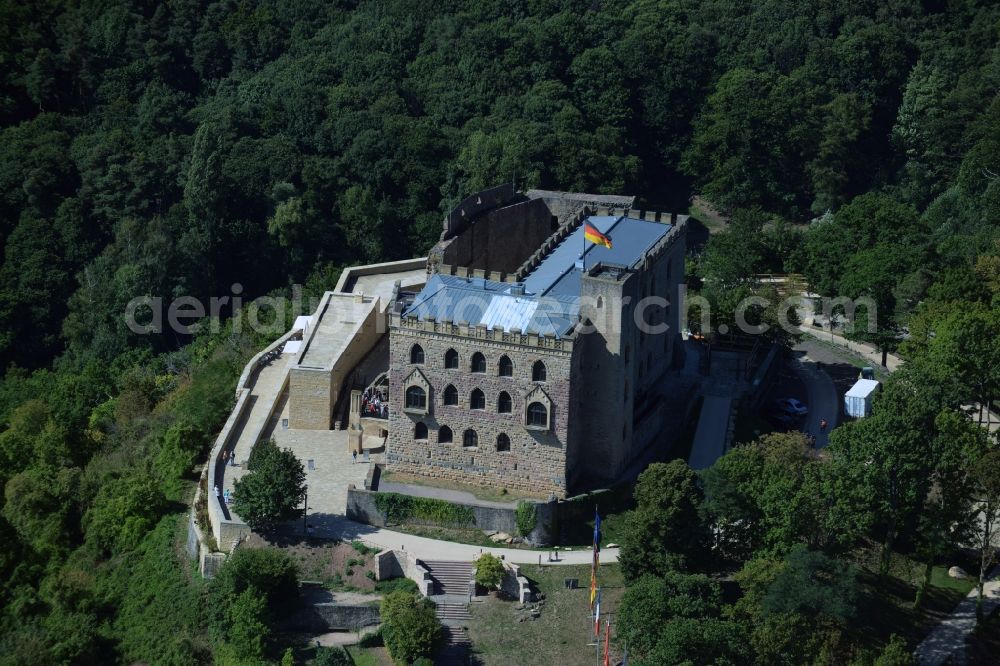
column 363, row 549
column 271, row 573
column 489, row 571
column 410, row 628
column 395, row 585
column 526, row 516
column 400, row 508
column 331, row 656
column 374, row 639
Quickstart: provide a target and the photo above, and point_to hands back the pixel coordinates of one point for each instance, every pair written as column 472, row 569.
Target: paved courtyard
column 332, row 467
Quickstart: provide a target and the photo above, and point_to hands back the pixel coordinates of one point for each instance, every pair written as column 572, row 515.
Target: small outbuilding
column 858, row 400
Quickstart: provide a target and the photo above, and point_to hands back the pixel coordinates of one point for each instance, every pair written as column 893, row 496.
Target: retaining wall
column 514, row 585
column 361, row 508
column 321, row 618
column 398, row 563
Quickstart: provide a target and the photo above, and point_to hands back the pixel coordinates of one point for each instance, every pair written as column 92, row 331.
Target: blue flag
column 597, row 530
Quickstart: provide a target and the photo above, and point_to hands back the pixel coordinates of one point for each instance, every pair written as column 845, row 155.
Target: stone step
column 450, row 577
column 453, row 612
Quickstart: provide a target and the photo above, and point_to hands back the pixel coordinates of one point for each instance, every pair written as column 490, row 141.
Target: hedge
column 400, row 508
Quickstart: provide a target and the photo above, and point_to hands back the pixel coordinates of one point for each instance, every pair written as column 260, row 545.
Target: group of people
column 374, row 404
column 224, row 496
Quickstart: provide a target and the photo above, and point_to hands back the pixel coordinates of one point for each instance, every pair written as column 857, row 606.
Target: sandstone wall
column 501, row 239
column 311, row 405
column 536, row 461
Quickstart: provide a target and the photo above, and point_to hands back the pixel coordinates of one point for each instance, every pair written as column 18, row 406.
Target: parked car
column 781, row 420
column 791, row 406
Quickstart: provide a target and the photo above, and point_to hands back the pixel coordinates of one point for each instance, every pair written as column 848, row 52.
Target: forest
column 200, row 148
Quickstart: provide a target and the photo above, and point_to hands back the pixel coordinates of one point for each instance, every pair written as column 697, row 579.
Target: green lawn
column 940, row 578
column 369, row 656
column 563, row 631
column 480, row 492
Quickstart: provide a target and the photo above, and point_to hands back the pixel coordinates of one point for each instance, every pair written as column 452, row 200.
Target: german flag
column 591, row 233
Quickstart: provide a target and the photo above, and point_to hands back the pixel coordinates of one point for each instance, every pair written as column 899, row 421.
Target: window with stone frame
column 538, row 372
column 444, row 435
column 451, row 360
column 506, row 367
column 503, row 442
column 420, row 430
column 477, row 400
column 416, row 398
column 417, row 355
column 470, row 438
column 538, row 415
column 450, row 395
column 478, row 363
column 504, row 403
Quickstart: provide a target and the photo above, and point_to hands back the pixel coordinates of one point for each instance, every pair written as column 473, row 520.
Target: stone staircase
column 451, row 594
column 450, row 578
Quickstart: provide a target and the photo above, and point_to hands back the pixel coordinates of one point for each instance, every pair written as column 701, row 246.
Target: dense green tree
column 409, row 626
column 769, row 495
column 124, row 510
column 986, row 494
column 273, row 488
column 650, row 603
column 664, row 531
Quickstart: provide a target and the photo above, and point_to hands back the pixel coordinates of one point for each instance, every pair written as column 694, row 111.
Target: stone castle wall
column 501, row 239
column 313, row 392
column 536, row 461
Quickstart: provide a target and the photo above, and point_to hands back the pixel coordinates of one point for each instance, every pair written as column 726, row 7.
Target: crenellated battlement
column 497, row 334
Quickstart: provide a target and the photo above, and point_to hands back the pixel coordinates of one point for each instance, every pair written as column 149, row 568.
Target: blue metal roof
column 560, row 271
column 478, row 301
column 547, row 301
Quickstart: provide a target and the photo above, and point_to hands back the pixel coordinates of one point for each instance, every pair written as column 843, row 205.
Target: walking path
column 266, row 387
column 947, row 640
column 866, row 351
column 442, row 494
column 339, row 527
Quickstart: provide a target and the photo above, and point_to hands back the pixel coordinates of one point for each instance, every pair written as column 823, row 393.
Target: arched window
column 450, row 395
column 506, row 367
column 451, row 359
column 417, row 354
column 503, row 442
column 477, row 400
column 416, row 398
column 600, row 302
column 478, row 363
column 470, row 438
column 538, row 415
column 420, row 430
column 504, row 403
column 444, row 435
column 538, row 372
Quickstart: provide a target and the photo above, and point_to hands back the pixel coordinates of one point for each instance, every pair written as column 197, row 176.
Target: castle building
column 531, row 358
